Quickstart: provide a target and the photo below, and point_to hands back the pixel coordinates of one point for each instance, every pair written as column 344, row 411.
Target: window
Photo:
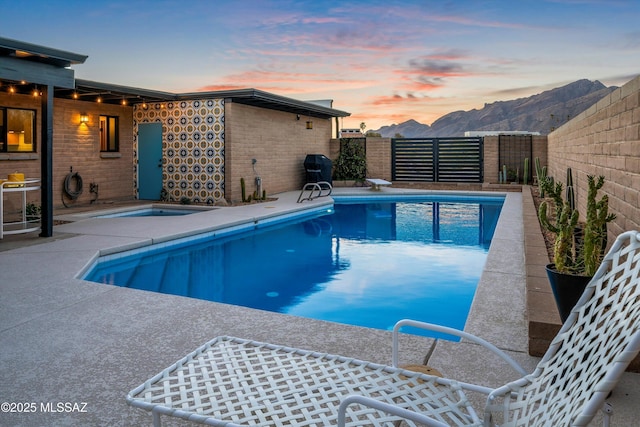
column 17, row 130
column 109, row 134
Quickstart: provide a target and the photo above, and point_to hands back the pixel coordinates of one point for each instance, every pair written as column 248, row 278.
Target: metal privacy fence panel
column 513, row 149
column 437, row 159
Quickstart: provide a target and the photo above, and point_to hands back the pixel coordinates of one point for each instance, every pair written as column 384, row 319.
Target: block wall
column 379, row 158
column 604, row 140
column 76, row 146
column 277, row 140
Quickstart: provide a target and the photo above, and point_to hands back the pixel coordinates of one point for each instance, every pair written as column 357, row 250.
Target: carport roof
column 37, row 53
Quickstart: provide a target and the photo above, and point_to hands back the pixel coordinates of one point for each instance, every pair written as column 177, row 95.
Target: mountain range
column 538, row 113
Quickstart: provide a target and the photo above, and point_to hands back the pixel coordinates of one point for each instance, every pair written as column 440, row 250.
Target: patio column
column 46, row 162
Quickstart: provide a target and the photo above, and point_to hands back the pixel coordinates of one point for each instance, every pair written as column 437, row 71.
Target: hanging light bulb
column 75, row 95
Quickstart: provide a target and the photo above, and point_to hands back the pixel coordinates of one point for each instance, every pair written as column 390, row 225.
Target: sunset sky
column 383, row 61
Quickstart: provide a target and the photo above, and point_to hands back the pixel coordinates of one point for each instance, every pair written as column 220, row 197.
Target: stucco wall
column 76, row 146
column 279, row 142
column 604, row 140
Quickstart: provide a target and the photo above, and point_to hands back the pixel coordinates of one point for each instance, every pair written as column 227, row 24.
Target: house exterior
column 127, row 143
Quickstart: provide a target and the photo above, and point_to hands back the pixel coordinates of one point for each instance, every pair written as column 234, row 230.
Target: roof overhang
column 29, row 64
column 116, row 94
column 87, row 90
column 258, row 98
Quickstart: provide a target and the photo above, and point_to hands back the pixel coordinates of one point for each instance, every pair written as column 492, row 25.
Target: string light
column 99, row 100
column 75, row 95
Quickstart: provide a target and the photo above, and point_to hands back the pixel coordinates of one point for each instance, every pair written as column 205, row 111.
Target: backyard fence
column 437, row 159
column 513, row 150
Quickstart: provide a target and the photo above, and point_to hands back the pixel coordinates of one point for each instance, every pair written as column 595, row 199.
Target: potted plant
column 578, row 247
column 32, row 212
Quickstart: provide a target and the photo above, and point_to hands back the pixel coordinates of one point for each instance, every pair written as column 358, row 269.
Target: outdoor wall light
column 84, row 118
column 309, row 124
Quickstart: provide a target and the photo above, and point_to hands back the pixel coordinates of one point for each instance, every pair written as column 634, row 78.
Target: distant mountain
column 538, row 113
column 408, row 129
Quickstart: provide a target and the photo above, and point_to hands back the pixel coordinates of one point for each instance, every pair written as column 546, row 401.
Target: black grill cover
column 318, row 168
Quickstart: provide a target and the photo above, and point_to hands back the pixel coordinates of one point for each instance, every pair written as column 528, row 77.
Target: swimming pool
column 364, row 262
column 149, row 211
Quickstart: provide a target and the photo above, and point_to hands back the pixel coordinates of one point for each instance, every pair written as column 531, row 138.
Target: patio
column 65, row 340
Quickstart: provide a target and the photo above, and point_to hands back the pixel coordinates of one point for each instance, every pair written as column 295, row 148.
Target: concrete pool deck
column 65, row 340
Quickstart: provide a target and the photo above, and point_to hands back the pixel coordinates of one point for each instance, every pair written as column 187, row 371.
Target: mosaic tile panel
column 192, row 147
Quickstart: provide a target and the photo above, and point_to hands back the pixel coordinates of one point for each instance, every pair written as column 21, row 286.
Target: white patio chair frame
column 230, row 382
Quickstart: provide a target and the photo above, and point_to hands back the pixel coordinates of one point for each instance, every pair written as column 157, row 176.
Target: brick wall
column 279, row 142
column 77, row 146
column 604, row 140
column 379, row 158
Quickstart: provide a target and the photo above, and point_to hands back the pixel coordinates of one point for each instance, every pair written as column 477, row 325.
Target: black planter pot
column 567, row 289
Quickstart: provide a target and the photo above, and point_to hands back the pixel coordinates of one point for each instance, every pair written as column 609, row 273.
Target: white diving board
column 377, row 183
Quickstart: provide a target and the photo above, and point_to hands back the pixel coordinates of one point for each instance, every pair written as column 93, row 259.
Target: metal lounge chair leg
column 607, row 411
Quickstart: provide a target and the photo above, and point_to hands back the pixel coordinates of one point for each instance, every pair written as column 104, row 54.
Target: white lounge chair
column 233, row 382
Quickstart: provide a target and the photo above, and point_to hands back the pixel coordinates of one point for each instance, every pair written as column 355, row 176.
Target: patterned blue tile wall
column 192, row 147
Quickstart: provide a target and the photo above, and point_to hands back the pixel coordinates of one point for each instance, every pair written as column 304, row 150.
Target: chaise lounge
column 235, row 382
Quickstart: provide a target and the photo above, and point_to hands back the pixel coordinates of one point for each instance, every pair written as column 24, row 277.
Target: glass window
column 17, row 130
column 109, row 133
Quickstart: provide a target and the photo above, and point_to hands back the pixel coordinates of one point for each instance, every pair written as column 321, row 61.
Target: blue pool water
column 367, row 264
column 149, row 212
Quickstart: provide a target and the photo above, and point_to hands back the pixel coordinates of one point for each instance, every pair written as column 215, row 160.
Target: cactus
column 564, row 229
column 525, row 176
column 541, row 175
column 583, row 255
column 564, row 226
column 595, row 230
column 570, row 194
column 243, row 190
column 264, row 194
